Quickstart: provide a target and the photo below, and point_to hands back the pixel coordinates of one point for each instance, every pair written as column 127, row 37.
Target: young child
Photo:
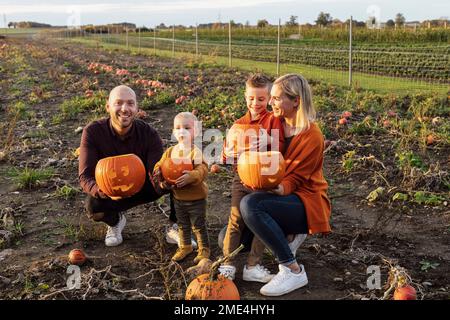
column 190, row 190
column 257, row 95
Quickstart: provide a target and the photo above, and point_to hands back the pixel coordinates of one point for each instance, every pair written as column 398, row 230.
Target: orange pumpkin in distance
column 120, row 176
column 261, row 170
column 205, row 288
column 77, row 257
column 172, row 169
column 215, row 168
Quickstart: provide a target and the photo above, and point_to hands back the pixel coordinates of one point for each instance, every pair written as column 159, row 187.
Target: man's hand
column 184, row 180
column 102, row 195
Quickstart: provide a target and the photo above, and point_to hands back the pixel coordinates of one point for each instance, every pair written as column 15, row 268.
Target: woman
column 299, row 205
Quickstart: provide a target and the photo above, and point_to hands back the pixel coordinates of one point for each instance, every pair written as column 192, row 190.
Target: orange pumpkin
column 261, row 170
column 406, row 292
column 205, row 288
column 172, row 169
column 77, row 257
column 240, row 137
column 120, row 176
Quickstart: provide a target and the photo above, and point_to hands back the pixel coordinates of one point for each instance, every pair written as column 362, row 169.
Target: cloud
column 166, row 6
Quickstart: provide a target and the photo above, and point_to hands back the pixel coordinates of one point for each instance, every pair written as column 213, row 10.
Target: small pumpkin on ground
column 212, row 286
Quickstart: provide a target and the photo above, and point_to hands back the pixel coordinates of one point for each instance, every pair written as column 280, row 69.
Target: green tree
column 390, row 23
column 399, row 19
column 262, row 23
column 324, row 19
column 292, row 21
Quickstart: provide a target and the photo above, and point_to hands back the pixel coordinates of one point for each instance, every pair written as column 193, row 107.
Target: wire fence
column 376, row 67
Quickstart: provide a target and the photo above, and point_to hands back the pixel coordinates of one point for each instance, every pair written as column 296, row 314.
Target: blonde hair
column 186, row 115
column 296, row 86
column 193, row 118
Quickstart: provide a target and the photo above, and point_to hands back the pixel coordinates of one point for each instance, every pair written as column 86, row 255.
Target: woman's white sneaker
column 114, row 234
column 284, row 282
column 257, row 273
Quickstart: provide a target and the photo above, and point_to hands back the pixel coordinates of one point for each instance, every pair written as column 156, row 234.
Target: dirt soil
column 46, row 227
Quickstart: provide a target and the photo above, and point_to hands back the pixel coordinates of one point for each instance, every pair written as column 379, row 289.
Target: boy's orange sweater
column 304, row 177
column 267, row 121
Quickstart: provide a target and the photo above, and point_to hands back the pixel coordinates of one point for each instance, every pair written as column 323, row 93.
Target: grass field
column 377, row 83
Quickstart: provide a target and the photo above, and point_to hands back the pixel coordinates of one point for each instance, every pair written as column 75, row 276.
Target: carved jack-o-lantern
column 120, row 176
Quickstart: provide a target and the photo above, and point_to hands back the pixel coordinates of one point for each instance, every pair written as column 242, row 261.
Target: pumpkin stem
column 215, row 266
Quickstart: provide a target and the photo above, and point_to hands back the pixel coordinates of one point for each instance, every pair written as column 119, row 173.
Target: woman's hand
column 184, row 180
column 279, row 190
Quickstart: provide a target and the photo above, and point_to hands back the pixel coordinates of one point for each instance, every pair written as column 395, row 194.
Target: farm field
column 387, row 167
column 378, row 83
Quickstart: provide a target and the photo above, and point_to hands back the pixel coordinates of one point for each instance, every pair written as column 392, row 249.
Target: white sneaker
column 227, row 271
column 114, row 234
column 295, row 244
column 284, row 282
column 257, row 273
column 173, row 237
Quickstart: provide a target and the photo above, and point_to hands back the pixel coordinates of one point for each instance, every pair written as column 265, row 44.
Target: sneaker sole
column 270, row 294
column 255, row 280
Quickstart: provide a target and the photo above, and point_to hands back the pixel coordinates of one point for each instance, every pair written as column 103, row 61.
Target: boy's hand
column 165, row 186
column 184, row 180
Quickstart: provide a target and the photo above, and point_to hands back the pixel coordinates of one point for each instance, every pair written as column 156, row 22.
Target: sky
column 189, row 12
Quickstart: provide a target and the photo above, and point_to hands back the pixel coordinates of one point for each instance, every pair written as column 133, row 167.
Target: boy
column 257, row 95
column 190, row 190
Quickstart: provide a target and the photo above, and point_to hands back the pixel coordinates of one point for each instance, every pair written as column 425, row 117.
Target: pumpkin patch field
column 387, row 160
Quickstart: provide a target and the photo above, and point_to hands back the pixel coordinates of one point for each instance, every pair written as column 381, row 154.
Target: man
column 120, row 133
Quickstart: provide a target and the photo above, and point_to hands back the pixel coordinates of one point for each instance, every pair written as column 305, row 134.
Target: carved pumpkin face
column 172, row 168
column 205, row 288
column 120, row 176
column 241, row 138
column 261, row 170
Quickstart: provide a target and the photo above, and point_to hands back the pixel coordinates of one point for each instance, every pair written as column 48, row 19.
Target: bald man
column 120, row 133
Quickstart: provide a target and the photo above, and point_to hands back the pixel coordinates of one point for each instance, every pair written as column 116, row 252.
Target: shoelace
column 226, row 272
column 262, row 269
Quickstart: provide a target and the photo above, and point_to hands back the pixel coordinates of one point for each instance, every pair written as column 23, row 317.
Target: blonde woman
column 299, row 205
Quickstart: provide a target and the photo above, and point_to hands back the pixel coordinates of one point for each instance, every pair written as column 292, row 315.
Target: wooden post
column 278, row 48
column 173, row 41
column 350, row 60
column 229, row 43
column 196, row 40
column 139, row 40
column 154, row 40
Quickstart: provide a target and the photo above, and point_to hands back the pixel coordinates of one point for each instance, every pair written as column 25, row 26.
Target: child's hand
column 184, row 180
column 165, row 186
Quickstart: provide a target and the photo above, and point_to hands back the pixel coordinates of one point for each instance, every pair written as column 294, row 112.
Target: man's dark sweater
column 99, row 140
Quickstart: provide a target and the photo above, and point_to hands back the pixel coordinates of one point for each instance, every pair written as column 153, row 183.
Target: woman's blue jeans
column 271, row 217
